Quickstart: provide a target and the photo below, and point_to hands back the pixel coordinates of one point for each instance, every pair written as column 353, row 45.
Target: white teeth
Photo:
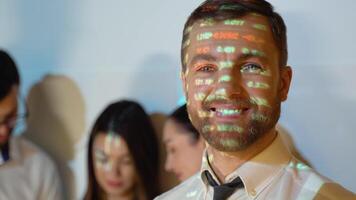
column 228, row 112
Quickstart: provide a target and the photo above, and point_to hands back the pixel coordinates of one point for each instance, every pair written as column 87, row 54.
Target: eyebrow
column 202, row 57
column 212, row 58
column 246, row 56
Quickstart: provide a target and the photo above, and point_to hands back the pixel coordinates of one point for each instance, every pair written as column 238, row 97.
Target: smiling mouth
column 222, row 112
column 113, row 183
column 225, row 112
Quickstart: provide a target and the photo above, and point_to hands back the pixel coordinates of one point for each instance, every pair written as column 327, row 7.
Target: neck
column 121, row 197
column 224, row 163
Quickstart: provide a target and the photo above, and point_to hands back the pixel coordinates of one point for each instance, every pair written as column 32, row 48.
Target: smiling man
column 25, row 171
column 235, row 76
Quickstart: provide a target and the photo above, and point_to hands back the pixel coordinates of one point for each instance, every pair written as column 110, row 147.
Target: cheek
column 258, row 84
column 179, row 152
column 198, row 88
column 99, row 174
column 261, row 89
column 129, row 172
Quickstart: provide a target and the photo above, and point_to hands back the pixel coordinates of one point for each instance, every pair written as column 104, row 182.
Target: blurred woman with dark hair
column 123, row 155
column 183, row 143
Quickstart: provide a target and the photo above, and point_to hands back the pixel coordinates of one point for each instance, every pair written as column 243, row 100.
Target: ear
column 285, row 81
column 183, row 78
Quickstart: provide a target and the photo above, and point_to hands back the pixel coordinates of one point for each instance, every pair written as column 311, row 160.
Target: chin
column 116, row 192
column 231, row 142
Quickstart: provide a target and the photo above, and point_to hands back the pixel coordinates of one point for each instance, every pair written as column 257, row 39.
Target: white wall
column 115, row 49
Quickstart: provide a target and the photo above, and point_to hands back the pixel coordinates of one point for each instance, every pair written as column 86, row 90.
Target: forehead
column 170, row 129
column 110, row 144
column 252, row 22
column 251, row 30
column 173, row 131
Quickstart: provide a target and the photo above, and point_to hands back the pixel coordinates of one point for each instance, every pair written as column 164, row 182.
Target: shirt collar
column 259, row 171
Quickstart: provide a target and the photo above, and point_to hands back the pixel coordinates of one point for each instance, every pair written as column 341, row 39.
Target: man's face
column 8, row 111
column 233, row 82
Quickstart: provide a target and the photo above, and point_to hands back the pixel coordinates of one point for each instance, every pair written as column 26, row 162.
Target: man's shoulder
column 189, row 189
column 29, row 152
column 314, row 185
column 334, row 191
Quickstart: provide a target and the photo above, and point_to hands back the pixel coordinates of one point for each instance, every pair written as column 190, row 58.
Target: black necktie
column 5, row 152
column 223, row 191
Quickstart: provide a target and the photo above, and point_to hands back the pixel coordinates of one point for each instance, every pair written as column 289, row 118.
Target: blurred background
column 75, row 57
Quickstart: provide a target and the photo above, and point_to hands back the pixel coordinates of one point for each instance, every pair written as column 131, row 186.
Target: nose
column 168, row 164
column 114, row 170
column 230, row 84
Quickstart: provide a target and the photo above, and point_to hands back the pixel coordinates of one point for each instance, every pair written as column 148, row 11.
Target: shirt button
column 253, row 193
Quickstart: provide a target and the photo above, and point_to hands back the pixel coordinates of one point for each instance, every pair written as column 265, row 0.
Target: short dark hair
column 180, row 116
column 224, row 9
column 128, row 120
column 9, row 75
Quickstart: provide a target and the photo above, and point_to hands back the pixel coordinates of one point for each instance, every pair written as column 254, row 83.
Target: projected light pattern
column 252, row 38
column 208, row 128
column 101, row 156
column 200, row 82
column 207, row 22
column 234, row 22
column 253, row 52
column 224, row 78
column 261, row 27
column 226, row 49
column 259, row 117
column 228, row 112
column 229, row 143
column 200, row 96
column 205, row 114
column 257, row 85
column 229, row 128
column 225, row 65
column 260, row 101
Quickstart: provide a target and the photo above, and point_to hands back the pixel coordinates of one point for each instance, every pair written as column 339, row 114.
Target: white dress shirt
column 29, row 174
column 272, row 174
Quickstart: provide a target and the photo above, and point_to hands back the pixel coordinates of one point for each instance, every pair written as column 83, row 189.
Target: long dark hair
column 129, row 120
column 9, row 75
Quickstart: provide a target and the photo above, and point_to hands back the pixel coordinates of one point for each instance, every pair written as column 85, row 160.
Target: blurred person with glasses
column 26, row 172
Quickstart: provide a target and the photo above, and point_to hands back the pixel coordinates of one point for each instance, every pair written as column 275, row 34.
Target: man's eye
column 251, row 68
column 206, row 68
